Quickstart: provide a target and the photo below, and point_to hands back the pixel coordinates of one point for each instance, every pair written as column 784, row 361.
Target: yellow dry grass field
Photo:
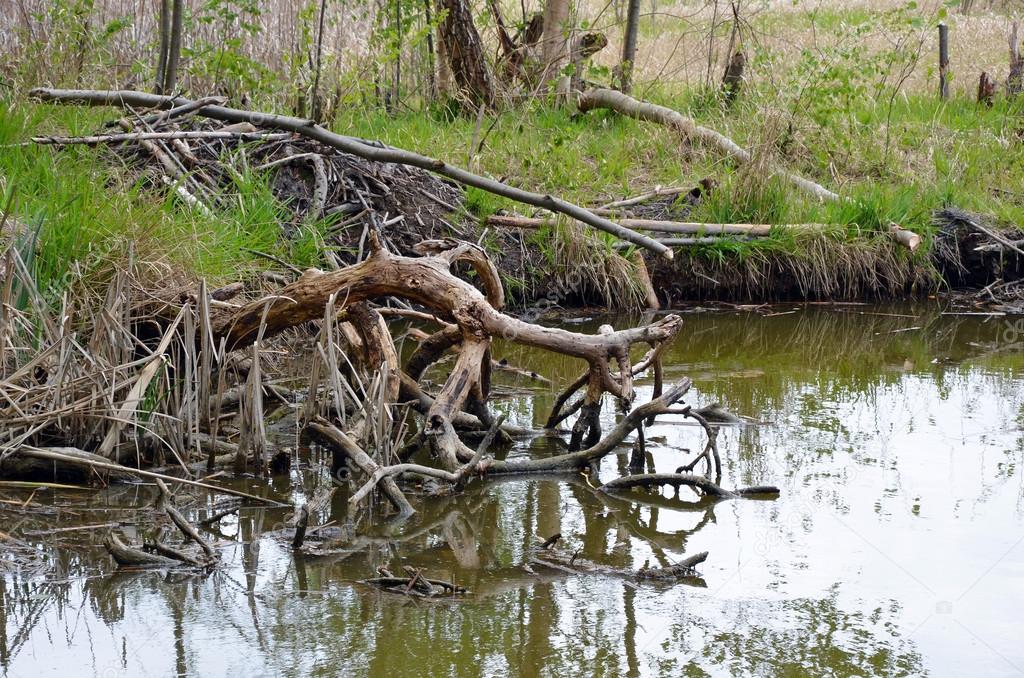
column 680, row 43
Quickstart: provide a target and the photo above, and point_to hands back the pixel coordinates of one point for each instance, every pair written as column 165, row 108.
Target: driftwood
column 428, row 281
column 127, row 556
column 701, row 483
column 626, row 105
column 338, row 440
column 79, row 459
column 157, row 553
column 179, row 521
column 546, row 556
column 358, row 147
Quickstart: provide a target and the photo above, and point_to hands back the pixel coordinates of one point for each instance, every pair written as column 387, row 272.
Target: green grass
column 88, row 213
column 896, row 164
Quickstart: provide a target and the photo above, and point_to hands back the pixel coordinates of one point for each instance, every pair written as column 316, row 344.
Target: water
column 895, row 548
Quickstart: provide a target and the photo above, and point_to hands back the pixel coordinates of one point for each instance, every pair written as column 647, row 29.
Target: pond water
column 895, row 548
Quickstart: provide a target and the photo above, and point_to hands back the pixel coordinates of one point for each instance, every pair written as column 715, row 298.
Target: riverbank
column 83, row 208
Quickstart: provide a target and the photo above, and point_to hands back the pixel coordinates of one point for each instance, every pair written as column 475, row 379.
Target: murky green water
column 894, row 549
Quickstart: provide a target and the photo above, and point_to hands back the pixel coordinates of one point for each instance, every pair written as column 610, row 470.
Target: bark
column 126, row 556
column 553, row 42
column 986, row 89
column 629, row 47
column 301, row 522
column 357, row 147
column 465, row 52
column 732, row 80
column 619, row 102
column 165, row 43
column 1015, row 79
column 174, row 48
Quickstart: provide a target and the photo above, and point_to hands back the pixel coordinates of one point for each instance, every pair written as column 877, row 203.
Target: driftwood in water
column 182, row 524
column 127, row 556
column 78, row 458
column 684, row 568
column 368, row 150
column 337, row 439
column 428, row 281
column 701, row 483
column 626, row 105
column 547, row 556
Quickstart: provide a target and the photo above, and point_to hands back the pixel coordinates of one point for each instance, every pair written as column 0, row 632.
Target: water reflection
column 895, row 548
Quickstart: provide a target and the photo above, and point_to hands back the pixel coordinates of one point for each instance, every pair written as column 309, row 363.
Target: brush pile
column 204, row 161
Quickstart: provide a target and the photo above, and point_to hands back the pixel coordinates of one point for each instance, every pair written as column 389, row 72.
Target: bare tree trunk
column 165, row 40
column 444, row 71
column 431, row 73
column 396, row 82
column 466, row 54
column 554, row 43
column 1015, row 80
column 317, row 104
column 174, row 51
column 629, row 47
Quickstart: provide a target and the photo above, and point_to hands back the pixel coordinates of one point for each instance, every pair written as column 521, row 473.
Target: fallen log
column 642, row 110
column 683, row 227
column 428, row 281
column 709, row 233
column 52, row 454
column 72, row 463
column 684, row 568
column 95, row 139
column 572, row 563
column 676, row 479
column 358, row 147
column 127, row 556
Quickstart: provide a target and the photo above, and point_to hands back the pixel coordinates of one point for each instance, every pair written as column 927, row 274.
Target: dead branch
column 150, row 136
column 626, row 105
column 338, row 440
column 126, row 556
column 676, row 479
column 79, row 460
column 573, row 461
column 179, row 521
column 363, row 149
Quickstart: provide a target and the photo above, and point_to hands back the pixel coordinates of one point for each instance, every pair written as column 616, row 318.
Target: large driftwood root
column 428, row 281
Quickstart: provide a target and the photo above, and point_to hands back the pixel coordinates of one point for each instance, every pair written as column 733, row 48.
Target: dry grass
column 823, row 267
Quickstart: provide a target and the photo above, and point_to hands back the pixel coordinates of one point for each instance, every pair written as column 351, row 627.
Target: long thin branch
column 149, row 136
